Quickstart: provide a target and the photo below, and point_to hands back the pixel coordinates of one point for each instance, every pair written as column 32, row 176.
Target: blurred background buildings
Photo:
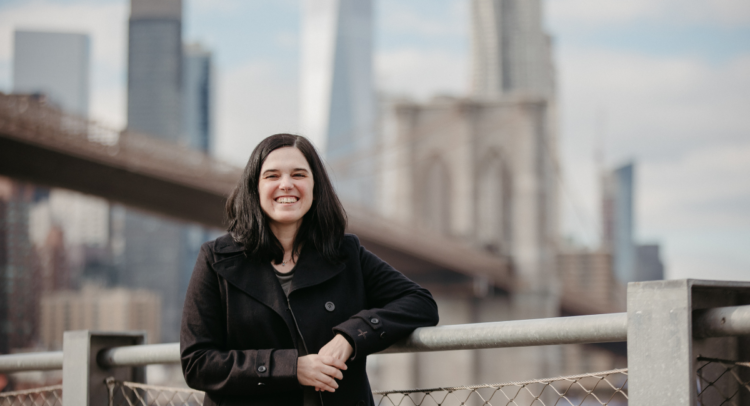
column 481, row 168
column 337, row 93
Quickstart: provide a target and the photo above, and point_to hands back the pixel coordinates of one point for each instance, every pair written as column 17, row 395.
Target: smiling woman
column 285, row 188
column 285, row 308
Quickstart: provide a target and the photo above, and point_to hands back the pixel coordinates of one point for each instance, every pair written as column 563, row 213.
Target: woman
column 285, row 308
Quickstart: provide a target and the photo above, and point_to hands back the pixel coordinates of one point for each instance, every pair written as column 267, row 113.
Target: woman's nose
column 286, row 183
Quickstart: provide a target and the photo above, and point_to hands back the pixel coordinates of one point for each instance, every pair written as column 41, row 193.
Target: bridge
column 42, row 145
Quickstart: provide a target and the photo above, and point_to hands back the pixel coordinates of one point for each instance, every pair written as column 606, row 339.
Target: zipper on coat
column 299, row 333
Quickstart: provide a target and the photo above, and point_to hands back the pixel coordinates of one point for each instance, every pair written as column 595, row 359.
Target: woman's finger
column 332, row 372
column 334, row 362
column 326, row 382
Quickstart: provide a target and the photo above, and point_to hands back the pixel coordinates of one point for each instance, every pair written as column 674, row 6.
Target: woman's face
column 285, row 187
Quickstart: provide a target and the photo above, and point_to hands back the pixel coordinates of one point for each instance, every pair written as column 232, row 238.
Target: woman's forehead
column 285, row 158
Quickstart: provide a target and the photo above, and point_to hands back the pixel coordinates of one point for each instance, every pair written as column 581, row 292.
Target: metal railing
column 28, row 119
column 600, row 328
column 661, row 327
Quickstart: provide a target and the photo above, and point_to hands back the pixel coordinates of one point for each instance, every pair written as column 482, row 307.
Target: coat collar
column 259, row 280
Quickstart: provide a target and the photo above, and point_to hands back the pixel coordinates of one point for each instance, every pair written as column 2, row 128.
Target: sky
column 662, row 83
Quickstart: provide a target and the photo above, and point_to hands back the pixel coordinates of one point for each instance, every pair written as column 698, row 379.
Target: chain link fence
column 722, row 382
column 719, row 382
column 602, row 388
column 45, row 396
column 138, row 394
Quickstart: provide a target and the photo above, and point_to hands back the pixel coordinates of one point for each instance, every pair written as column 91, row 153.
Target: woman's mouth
column 287, row 199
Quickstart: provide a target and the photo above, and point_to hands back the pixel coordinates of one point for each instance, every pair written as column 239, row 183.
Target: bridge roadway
column 44, row 146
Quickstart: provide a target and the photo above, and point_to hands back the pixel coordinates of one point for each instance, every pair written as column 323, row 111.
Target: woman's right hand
column 319, row 371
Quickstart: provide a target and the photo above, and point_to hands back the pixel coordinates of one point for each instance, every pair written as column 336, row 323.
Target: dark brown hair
column 322, row 226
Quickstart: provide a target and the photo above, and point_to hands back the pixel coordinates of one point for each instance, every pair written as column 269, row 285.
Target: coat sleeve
column 207, row 363
column 397, row 307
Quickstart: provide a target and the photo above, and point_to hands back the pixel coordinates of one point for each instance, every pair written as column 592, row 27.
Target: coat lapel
column 255, row 279
column 313, row 269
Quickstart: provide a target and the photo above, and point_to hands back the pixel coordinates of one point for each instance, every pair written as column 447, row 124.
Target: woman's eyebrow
column 300, row 169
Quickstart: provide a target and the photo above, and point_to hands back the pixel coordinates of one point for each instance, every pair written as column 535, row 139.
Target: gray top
column 311, row 398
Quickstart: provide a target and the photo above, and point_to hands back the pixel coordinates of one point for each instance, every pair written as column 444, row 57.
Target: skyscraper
column 197, row 87
column 154, row 252
column 511, row 52
column 55, row 64
column 337, row 98
column 19, row 267
column 155, row 68
column 618, row 220
column 197, row 124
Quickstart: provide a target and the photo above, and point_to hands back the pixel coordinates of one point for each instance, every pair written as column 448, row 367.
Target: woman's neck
column 286, row 235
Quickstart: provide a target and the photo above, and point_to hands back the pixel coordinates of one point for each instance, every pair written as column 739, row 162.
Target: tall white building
column 337, row 97
column 155, row 254
column 510, row 50
column 55, row 64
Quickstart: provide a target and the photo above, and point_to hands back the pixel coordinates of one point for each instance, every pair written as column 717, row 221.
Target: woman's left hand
column 338, row 348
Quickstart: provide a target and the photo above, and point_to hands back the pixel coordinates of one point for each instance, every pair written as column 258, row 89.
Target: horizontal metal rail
column 35, row 361
column 139, row 355
column 600, row 328
column 721, row 322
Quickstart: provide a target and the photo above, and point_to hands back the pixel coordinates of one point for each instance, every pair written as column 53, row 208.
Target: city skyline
column 671, row 97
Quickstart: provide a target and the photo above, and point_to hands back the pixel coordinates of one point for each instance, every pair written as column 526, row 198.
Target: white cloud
column 704, row 190
column 440, row 20
column 421, row 73
column 108, row 105
column 254, row 101
column 604, row 13
column 600, row 12
column 105, row 23
column 655, row 107
column 685, row 123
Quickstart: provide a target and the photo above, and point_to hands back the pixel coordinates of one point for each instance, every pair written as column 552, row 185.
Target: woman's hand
column 319, row 371
column 338, row 348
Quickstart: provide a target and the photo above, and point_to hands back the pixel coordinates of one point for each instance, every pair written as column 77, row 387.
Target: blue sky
column 663, row 82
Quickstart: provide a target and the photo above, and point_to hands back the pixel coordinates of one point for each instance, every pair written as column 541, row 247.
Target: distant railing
column 661, row 327
column 28, row 118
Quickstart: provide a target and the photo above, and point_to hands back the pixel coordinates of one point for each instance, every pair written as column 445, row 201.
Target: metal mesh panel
column 46, row 396
column 603, row 388
column 722, row 382
column 138, row 394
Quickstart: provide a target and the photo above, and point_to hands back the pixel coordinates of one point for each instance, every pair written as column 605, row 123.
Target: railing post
column 661, row 350
column 83, row 378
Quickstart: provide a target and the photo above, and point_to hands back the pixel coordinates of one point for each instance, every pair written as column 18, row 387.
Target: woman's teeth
column 286, row 199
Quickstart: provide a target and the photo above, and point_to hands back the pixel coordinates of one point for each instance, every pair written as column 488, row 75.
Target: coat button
column 330, row 306
column 374, row 320
column 262, row 369
column 382, row 335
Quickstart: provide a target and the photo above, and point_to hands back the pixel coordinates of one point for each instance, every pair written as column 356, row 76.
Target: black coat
column 238, row 341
